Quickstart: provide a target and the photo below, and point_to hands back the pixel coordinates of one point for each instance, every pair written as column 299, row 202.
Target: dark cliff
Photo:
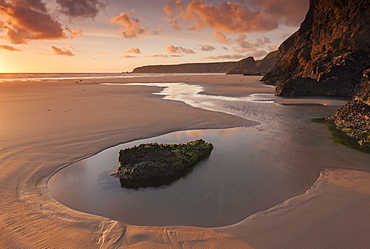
column 244, row 66
column 330, row 55
column 329, row 52
column 216, row 67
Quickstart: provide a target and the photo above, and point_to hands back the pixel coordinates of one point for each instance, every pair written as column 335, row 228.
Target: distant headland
column 245, row 66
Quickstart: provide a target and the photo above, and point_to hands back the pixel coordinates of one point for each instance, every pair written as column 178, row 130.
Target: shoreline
column 48, row 145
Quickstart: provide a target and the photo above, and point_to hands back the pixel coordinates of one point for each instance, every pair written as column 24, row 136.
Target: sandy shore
column 47, row 126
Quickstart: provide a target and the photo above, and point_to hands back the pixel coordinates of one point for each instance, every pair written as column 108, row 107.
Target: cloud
column 158, row 31
column 131, row 26
column 28, row 20
column 80, row 8
column 222, row 38
column 74, row 33
column 232, row 56
column 133, row 51
column 245, row 44
column 164, row 56
column 62, row 51
column 127, row 57
column 178, row 50
column 10, row 48
column 171, row 14
column 230, row 17
column 206, row 48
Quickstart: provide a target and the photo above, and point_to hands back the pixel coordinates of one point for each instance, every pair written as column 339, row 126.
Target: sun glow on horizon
column 3, row 67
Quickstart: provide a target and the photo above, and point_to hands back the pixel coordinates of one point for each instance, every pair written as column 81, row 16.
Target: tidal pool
column 250, row 169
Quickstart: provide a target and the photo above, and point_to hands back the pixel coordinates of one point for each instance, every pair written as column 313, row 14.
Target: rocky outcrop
column 153, row 165
column 354, row 117
column 329, row 52
column 330, row 55
column 245, row 66
column 262, row 66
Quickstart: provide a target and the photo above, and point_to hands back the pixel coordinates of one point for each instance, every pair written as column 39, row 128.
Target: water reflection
column 249, row 170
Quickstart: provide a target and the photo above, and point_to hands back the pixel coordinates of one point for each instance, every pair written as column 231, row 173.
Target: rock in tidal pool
column 154, row 165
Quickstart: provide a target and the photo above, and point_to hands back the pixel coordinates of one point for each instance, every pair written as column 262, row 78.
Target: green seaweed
column 342, row 135
column 153, row 165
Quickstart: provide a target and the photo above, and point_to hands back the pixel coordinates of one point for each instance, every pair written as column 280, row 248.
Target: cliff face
column 247, row 65
column 244, row 66
column 329, row 52
column 217, row 67
column 330, row 55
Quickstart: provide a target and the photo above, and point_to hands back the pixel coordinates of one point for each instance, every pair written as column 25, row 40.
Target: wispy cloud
column 133, row 51
column 178, row 50
column 62, row 51
column 222, row 38
column 246, row 44
column 132, row 27
column 74, row 33
column 127, row 57
column 206, row 48
column 242, row 43
column 10, row 48
column 163, row 56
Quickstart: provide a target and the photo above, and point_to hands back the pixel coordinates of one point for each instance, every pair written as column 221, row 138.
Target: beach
column 46, row 126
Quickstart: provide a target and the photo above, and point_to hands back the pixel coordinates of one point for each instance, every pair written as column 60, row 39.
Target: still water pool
column 250, row 169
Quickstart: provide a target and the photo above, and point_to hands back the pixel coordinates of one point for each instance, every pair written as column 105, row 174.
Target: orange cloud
column 178, row 50
column 245, row 44
column 131, row 26
column 232, row 17
column 206, row 48
column 222, row 38
column 74, row 33
column 28, row 20
column 10, row 48
column 163, row 56
column 127, row 57
column 133, row 51
column 62, row 51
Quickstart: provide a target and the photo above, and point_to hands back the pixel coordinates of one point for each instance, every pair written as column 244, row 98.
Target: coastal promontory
column 245, row 66
column 330, row 56
column 153, row 165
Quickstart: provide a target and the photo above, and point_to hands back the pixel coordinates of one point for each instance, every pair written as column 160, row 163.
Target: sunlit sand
column 47, row 126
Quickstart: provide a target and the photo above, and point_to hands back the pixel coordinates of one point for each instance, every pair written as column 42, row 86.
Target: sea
column 50, row 77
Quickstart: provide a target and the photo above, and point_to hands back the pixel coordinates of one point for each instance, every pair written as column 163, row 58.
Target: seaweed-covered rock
column 153, row 165
column 354, row 117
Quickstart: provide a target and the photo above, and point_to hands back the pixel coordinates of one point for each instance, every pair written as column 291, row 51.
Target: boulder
column 153, row 165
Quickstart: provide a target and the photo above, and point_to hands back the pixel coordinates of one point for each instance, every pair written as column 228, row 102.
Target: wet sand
column 47, row 126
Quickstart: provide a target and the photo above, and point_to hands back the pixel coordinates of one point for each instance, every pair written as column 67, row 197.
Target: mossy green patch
column 159, row 164
column 342, row 135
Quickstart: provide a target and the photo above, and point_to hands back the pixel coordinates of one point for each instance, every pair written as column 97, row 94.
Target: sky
column 55, row 36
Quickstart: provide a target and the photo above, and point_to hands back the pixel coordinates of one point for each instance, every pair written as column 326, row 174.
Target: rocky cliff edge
column 330, row 55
